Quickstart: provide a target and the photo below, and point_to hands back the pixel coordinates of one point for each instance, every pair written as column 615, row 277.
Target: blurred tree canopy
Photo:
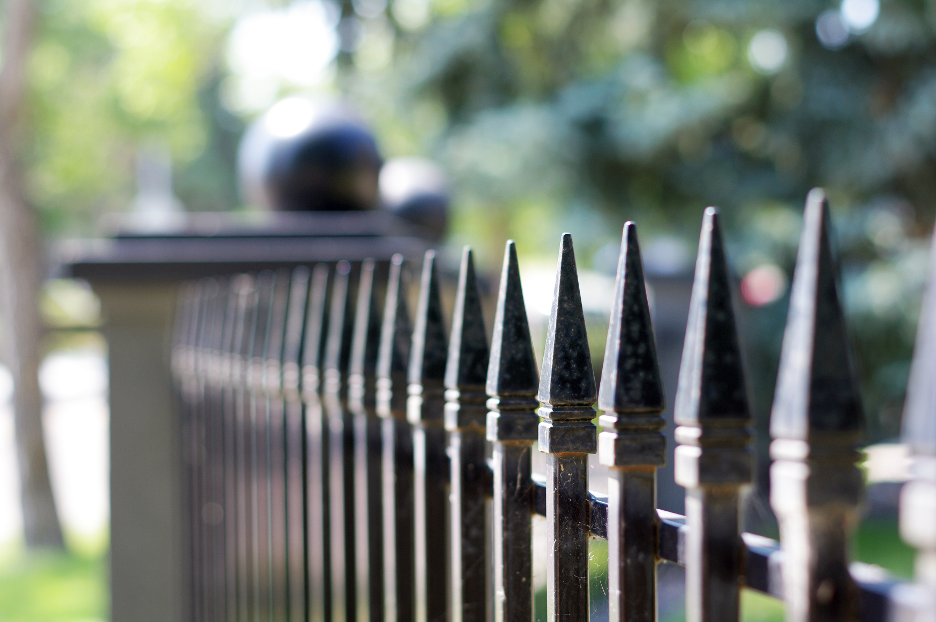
column 550, row 116
column 579, row 114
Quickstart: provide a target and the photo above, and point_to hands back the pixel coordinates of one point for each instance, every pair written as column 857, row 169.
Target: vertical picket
column 341, row 444
column 319, row 549
column 512, row 381
column 294, row 446
column 567, row 391
column 631, row 443
column 424, row 410
column 276, row 477
column 397, row 455
column 816, row 422
column 918, row 497
column 368, row 475
column 465, row 413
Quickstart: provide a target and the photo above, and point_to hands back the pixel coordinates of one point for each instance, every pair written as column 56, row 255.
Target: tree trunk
column 20, row 282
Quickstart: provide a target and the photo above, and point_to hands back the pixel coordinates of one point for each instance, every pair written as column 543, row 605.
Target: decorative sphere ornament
column 304, row 155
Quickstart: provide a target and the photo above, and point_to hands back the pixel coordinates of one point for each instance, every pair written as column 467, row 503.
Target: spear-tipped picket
column 631, row 445
column 567, row 391
column 713, row 459
column 512, row 381
column 368, row 475
column 294, row 446
column 816, row 423
column 465, row 414
column 319, row 541
column 918, row 497
column 397, row 453
column 341, row 444
column 276, row 441
column 424, row 409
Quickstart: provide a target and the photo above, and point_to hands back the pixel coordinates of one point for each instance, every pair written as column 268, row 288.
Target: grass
column 54, row 586
column 877, row 542
column 71, row 586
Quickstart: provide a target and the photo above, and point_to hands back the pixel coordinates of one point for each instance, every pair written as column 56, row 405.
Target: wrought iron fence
column 347, row 464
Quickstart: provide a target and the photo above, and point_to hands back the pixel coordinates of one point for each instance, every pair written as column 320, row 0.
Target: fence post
column 567, row 391
column 395, row 335
column 816, row 422
column 294, row 446
column 631, row 445
column 368, row 475
column 918, row 497
column 424, row 410
column 341, row 441
column 512, row 381
column 465, row 413
column 713, row 459
column 317, row 501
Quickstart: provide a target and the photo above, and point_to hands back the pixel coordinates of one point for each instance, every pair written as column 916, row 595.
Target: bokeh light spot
column 831, row 30
column 859, row 15
column 767, row 51
column 763, row 285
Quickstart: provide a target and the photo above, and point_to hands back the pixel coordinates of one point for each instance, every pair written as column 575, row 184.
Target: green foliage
column 109, row 77
column 548, row 112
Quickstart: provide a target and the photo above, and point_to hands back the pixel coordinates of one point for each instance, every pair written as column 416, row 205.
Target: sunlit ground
column 71, row 586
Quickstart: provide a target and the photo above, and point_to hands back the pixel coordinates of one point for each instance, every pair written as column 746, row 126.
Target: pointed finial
column 567, row 384
column 467, row 362
column 316, row 329
column 393, row 354
column 366, row 342
column 512, row 379
column 919, row 421
column 630, row 376
column 512, row 368
column 567, row 374
column 817, row 390
column 340, row 330
column 711, row 378
column 295, row 318
column 429, row 349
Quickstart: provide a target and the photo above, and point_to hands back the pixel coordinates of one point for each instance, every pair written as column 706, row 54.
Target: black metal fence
column 347, row 464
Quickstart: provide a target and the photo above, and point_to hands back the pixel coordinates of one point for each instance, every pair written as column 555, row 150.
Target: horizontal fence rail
column 344, row 460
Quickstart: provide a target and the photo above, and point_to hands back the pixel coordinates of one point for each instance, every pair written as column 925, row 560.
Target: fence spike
column 567, row 377
column 465, row 413
column 816, row 422
column 319, row 543
column 512, row 381
column 316, row 332
column 396, row 335
column 713, row 460
column 368, row 475
column 393, row 359
column 512, row 369
column 341, row 445
column 918, row 497
column 632, row 445
column 424, row 409
column 567, row 391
